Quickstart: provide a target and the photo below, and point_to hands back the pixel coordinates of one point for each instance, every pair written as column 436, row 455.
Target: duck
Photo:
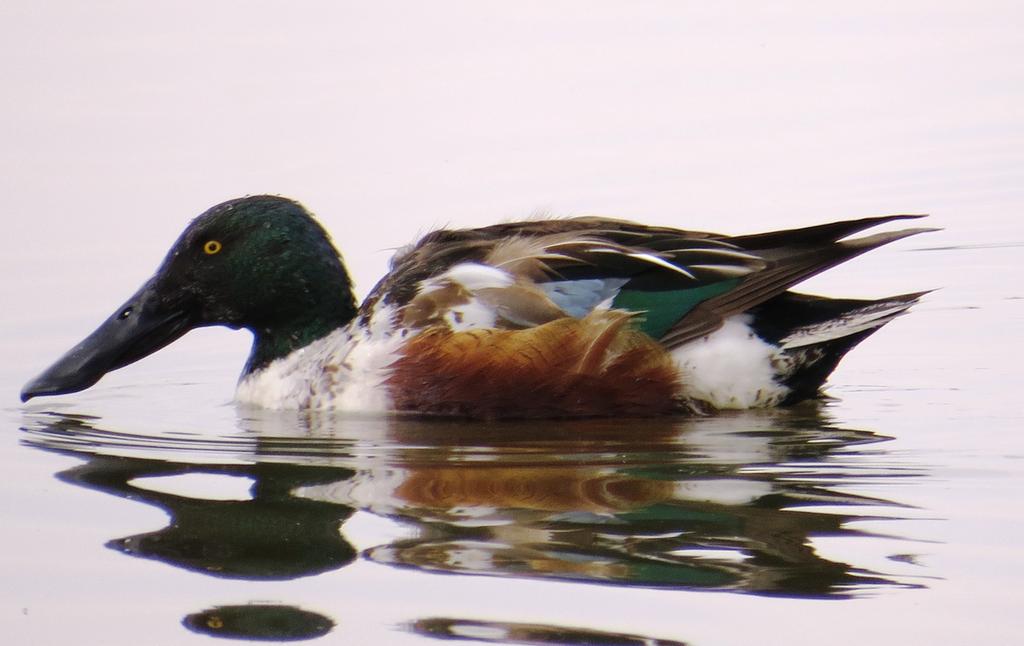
column 544, row 318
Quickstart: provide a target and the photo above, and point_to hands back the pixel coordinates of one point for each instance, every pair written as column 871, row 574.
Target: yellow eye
column 212, row 246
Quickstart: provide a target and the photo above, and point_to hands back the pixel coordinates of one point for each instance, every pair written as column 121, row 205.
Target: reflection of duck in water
column 674, row 504
column 267, row 535
column 504, row 632
column 714, row 503
column 549, row 318
column 259, row 622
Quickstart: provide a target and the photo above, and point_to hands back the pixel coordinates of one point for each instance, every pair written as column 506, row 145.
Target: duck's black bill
column 147, row 322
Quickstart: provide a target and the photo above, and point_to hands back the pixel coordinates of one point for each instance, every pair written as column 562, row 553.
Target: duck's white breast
column 346, row 370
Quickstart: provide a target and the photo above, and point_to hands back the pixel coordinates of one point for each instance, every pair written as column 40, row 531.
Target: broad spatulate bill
column 544, row 318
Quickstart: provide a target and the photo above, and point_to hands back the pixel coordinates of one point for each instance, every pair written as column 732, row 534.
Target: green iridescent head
column 260, row 263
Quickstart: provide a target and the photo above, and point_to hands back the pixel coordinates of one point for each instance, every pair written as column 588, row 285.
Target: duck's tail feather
column 815, row 332
column 849, row 317
column 815, row 235
column 789, row 265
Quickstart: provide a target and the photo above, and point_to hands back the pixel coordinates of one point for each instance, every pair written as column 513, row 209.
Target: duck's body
column 550, row 318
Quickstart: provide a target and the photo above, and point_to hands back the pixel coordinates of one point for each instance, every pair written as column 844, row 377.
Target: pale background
column 120, row 121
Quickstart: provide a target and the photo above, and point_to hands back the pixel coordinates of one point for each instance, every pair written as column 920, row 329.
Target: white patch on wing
column 646, row 257
column 470, row 275
column 471, row 278
column 730, row 271
column 470, row 315
column 730, row 368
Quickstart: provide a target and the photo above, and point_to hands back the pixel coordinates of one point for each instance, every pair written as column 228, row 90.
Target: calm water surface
column 150, row 506
column 150, row 509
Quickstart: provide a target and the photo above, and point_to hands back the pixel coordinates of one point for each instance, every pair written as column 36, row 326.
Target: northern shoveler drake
column 548, row 318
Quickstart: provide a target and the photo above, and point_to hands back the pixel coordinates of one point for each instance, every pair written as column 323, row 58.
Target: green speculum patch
column 660, row 310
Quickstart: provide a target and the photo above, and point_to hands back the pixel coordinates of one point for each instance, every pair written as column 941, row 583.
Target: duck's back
column 593, row 316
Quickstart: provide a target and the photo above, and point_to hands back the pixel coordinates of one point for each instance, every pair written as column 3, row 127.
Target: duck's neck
column 276, row 339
